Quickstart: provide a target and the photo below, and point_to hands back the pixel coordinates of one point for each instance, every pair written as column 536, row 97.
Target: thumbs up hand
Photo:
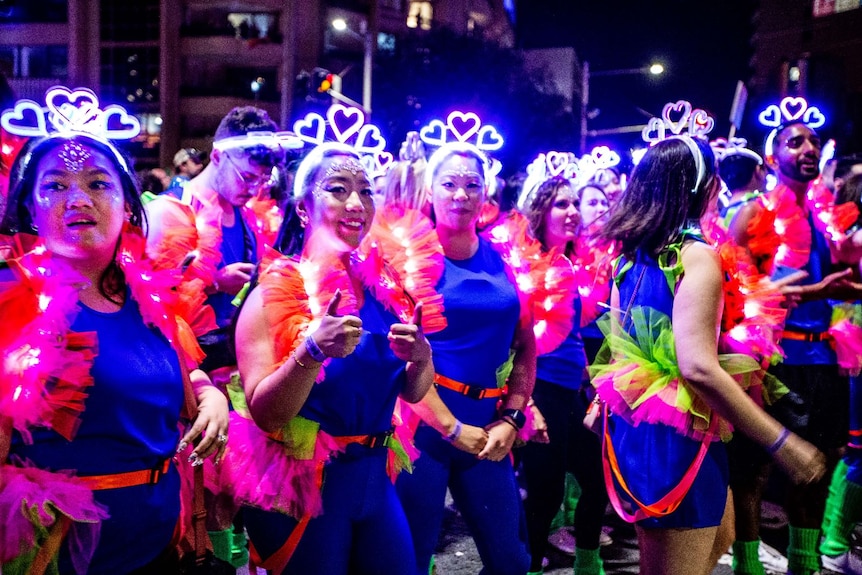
column 407, row 340
column 337, row 336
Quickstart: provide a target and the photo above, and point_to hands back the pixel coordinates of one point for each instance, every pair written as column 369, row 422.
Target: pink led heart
column 311, row 128
column 369, row 139
column 344, row 122
column 71, row 109
column 813, row 118
column 771, row 116
column 556, row 162
column 119, row 124
column 681, row 110
column 463, row 125
column 489, row 139
column 701, row 123
column 605, row 157
column 654, row 130
column 434, row 133
column 25, row 119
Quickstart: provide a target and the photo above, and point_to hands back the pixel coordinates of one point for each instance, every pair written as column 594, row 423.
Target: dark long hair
column 22, row 183
column 661, row 198
column 542, row 200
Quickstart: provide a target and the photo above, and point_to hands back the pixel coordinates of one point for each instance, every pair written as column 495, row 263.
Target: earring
column 303, row 221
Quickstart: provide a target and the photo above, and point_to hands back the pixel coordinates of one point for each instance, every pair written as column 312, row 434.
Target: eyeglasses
column 264, row 155
column 252, row 182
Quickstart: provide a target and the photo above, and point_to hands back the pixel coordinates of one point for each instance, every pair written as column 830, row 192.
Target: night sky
column 704, row 46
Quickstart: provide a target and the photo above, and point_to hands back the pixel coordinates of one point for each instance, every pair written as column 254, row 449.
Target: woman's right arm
column 274, row 396
column 434, row 412
column 696, row 315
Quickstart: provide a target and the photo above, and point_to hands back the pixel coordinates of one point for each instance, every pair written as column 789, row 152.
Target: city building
column 180, row 65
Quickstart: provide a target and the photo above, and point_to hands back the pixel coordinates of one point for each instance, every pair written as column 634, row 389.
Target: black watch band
column 517, row 416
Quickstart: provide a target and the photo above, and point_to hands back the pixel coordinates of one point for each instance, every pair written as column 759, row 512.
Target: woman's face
column 340, row 207
column 78, row 205
column 594, row 206
column 562, row 220
column 613, row 188
column 458, row 192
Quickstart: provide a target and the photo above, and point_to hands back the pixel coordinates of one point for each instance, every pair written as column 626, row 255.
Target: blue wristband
column 779, row 443
column 456, row 433
column 314, row 350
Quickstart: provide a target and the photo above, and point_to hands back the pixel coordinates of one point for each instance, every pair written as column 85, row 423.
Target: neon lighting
column 678, row 118
column 69, row 111
column 377, row 164
column 345, row 124
column 465, row 127
column 604, row 157
column 723, row 148
column 791, row 109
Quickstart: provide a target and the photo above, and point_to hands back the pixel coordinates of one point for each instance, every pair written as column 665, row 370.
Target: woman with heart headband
column 669, row 404
column 326, row 341
column 96, row 384
column 464, row 439
column 568, row 446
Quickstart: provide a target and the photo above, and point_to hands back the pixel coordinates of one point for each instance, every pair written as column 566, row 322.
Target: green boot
column 588, row 562
column 222, row 541
column 843, row 510
column 802, row 556
column 746, row 558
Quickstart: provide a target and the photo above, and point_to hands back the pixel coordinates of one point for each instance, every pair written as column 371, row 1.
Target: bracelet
column 313, row 349
column 511, row 422
column 779, row 443
column 456, row 432
column 299, row 363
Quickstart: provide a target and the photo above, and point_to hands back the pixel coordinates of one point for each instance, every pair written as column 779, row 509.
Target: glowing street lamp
column 654, row 69
column 340, row 25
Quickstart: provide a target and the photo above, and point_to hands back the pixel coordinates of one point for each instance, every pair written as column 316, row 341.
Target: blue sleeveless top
column 238, row 245
column 130, row 423
column 482, row 311
column 359, row 392
column 565, row 365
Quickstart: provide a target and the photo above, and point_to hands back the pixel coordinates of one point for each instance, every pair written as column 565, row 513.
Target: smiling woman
column 82, row 283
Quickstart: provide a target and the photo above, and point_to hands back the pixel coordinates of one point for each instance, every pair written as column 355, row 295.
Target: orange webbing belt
column 472, row 391
column 128, row 479
column 667, row 504
column 806, row 336
column 279, row 560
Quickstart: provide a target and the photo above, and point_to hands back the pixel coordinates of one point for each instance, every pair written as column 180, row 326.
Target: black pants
column 572, row 449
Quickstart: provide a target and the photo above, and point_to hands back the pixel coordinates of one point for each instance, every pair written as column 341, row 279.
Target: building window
column 124, row 21
column 420, row 15
column 130, row 75
column 34, row 61
column 31, row 12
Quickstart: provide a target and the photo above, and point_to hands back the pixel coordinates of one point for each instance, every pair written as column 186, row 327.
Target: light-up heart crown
column 377, row 164
column 600, row 158
column 723, row 148
column 464, row 127
column 544, row 167
column 344, row 125
column 678, row 119
column 791, row 110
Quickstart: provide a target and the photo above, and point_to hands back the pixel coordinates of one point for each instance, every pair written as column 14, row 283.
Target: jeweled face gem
column 74, row 155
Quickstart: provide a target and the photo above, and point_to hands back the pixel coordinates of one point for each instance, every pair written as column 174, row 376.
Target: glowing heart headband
column 677, row 119
column 723, row 148
column 271, row 140
column 792, row 109
column 600, row 158
column 343, row 124
column 69, row 112
column 377, row 164
column 545, row 166
column 464, row 127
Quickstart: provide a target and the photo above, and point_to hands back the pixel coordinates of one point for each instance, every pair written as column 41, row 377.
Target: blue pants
column 854, row 446
column 485, row 493
column 362, row 529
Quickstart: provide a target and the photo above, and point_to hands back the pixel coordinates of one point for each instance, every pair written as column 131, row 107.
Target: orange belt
column 471, row 391
column 128, row 479
column 804, row 336
column 372, row 440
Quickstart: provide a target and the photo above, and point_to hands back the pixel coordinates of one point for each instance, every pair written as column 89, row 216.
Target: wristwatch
column 517, row 416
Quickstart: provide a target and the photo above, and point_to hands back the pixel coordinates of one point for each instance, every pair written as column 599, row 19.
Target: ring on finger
column 221, row 438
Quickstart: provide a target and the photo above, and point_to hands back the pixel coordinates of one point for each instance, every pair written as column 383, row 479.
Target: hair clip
column 465, row 127
column 792, row 109
column 346, row 125
column 377, row 164
column 723, row 148
column 678, row 119
column 68, row 112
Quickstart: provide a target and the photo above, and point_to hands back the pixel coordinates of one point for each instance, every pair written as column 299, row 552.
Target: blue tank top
column 565, row 365
column 130, row 423
column 358, row 395
column 812, row 316
column 481, row 310
column 238, row 245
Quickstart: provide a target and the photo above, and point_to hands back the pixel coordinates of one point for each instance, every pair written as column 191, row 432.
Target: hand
column 539, row 432
column 802, row 462
column 407, row 341
column 212, row 422
column 232, row 277
column 337, row 335
column 501, row 438
column 472, row 439
column 836, row 285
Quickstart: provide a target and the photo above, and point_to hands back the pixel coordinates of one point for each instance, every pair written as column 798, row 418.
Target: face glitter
column 74, row 155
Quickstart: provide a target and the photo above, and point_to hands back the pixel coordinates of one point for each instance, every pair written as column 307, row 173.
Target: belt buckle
column 474, row 392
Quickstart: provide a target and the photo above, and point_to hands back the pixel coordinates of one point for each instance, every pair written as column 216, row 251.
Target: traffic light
column 322, row 81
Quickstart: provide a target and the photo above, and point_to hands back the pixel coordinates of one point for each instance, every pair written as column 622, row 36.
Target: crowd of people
column 338, row 338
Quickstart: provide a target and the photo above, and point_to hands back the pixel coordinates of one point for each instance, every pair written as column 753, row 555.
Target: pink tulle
column 31, row 494
column 265, row 219
column 592, row 261
column 847, row 343
column 265, row 475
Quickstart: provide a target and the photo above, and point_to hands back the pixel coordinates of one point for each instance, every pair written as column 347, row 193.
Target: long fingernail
column 197, row 462
column 182, row 446
column 193, row 458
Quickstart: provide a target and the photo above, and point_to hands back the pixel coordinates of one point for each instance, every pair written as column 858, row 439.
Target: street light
column 654, row 69
column 340, row 25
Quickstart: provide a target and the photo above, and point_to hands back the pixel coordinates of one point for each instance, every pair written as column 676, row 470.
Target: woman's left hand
column 211, row 422
column 407, row 341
